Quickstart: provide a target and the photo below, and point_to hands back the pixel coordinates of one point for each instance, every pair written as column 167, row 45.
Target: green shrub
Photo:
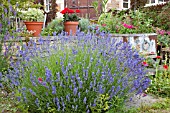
column 53, row 28
column 84, row 24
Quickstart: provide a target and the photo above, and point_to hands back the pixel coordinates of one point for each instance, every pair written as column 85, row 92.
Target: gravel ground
column 141, row 99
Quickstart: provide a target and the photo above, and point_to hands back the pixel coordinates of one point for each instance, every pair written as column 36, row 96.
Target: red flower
column 70, row 11
column 40, row 79
column 158, row 57
column 77, row 11
column 165, row 67
column 144, row 63
column 64, row 11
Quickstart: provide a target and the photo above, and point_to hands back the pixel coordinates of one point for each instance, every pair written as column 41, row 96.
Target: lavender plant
column 71, row 74
column 6, row 32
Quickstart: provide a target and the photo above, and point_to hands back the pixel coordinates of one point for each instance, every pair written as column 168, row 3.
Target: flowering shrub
column 132, row 23
column 72, row 74
column 70, row 15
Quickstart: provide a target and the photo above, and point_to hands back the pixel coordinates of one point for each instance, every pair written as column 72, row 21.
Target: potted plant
column 71, row 20
column 33, row 19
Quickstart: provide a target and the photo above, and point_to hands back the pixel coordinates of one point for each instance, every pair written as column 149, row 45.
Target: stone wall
column 144, row 43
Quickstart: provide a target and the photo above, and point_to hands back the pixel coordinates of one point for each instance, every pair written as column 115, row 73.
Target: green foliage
column 160, row 84
column 117, row 105
column 84, row 24
column 71, row 17
column 102, row 104
column 56, row 26
column 110, row 22
column 104, row 3
column 139, row 20
column 159, row 14
column 164, row 40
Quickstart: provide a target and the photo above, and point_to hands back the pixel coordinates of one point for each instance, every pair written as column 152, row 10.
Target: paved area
column 141, row 99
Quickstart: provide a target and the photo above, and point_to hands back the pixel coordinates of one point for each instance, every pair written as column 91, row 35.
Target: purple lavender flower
column 37, row 102
column 3, row 16
column 53, row 90
column 10, row 8
column 48, row 104
column 32, row 92
column 5, row 10
column 75, row 91
column 84, row 100
column 48, row 75
column 68, row 97
column 58, row 77
column 76, row 107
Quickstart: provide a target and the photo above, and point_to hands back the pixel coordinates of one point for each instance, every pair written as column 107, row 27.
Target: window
column 161, row 1
column 47, row 5
column 153, row 1
column 126, row 4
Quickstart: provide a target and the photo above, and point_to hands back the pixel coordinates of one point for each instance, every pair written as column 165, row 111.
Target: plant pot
column 71, row 27
column 36, row 27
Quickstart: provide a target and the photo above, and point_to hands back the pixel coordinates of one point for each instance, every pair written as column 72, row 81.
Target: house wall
column 114, row 4
column 60, row 4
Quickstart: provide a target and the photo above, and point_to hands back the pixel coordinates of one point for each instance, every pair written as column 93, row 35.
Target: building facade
column 87, row 10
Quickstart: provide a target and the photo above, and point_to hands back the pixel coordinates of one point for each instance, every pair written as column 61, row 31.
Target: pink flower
column 128, row 26
column 168, row 32
column 161, row 32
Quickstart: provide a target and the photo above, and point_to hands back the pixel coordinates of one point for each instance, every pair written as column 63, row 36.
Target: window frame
column 156, row 2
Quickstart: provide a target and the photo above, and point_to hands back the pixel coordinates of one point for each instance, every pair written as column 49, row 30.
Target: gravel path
column 141, row 99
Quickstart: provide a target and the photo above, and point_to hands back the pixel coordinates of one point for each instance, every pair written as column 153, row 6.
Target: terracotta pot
column 36, row 27
column 71, row 27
